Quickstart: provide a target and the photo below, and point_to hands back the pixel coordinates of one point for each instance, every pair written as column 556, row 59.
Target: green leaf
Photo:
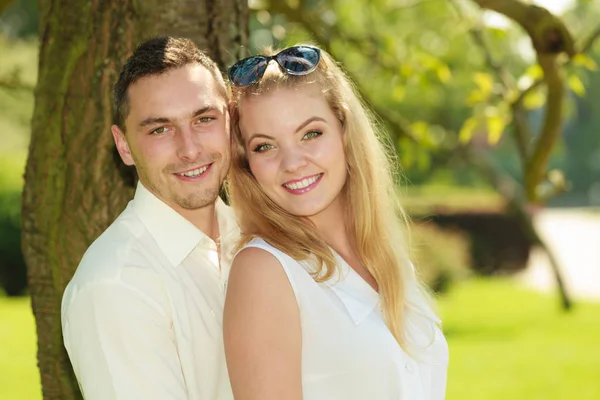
column 582, row 60
column 423, row 160
column 495, row 127
column 484, row 81
column 406, row 70
column 293, row 3
column 534, row 100
column 406, row 150
column 399, row 93
column 443, row 73
column 498, row 33
column 576, row 85
column 467, row 130
column 475, row 97
column 427, row 61
column 535, row 72
column 420, row 129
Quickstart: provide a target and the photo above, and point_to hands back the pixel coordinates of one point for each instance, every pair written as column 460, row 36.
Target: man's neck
column 204, row 218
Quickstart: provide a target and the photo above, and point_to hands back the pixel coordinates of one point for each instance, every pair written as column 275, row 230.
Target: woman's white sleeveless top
column 348, row 353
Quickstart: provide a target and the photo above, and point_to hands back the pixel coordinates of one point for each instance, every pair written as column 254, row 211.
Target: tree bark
column 4, row 4
column 74, row 183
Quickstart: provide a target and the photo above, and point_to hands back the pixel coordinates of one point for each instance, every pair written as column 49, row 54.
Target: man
column 142, row 316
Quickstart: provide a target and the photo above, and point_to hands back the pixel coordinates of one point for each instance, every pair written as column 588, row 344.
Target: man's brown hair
column 154, row 57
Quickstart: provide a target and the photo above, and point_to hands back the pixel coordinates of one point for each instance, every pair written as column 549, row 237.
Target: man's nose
column 189, row 147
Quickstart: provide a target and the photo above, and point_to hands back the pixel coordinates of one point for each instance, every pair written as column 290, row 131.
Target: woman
column 322, row 301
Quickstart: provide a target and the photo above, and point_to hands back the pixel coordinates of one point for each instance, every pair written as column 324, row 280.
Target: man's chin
column 197, row 201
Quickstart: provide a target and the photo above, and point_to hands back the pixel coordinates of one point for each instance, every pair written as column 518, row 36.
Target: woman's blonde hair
column 375, row 220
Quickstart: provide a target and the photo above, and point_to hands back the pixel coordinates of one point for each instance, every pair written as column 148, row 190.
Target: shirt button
column 409, row 368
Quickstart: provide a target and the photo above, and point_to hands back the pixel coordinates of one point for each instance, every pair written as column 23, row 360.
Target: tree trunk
column 74, row 183
column 4, row 4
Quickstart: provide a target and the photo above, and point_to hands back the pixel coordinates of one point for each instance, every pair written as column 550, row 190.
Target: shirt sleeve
column 121, row 345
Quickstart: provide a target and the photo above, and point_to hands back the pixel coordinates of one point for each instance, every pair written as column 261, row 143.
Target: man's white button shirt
column 142, row 316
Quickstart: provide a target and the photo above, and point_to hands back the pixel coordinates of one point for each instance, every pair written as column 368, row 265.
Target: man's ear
column 122, row 145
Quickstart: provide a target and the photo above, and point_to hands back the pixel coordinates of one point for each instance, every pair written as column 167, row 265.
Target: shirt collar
column 357, row 296
column 360, row 299
column 229, row 233
column 175, row 236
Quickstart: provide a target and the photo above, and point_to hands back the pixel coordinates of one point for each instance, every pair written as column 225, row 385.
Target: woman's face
column 295, row 149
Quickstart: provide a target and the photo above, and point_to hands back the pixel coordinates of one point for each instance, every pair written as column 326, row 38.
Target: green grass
column 505, row 343
column 19, row 378
column 509, row 343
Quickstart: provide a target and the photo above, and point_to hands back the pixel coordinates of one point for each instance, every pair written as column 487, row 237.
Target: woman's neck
column 333, row 228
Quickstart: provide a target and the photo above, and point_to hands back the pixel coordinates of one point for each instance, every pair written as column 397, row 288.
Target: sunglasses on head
column 296, row 60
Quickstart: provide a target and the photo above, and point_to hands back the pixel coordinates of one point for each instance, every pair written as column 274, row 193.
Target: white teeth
column 193, row 173
column 303, row 183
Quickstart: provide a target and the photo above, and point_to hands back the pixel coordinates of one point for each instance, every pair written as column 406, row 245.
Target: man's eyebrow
column 164, row 120
column 154, row 121
column 203, row 110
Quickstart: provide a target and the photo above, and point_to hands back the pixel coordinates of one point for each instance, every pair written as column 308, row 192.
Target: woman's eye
column 262, row 148
column 312, row 134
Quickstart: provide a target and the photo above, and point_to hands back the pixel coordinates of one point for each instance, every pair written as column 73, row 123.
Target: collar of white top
column 360, row 299
column 175, row 236
column 357, row 296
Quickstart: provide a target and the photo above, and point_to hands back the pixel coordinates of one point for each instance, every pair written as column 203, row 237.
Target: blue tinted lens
column 247, row 71
column 299, row 60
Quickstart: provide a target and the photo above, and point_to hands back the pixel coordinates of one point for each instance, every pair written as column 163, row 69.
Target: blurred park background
column 463, row 94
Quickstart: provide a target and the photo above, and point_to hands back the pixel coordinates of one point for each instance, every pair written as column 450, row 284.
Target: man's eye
column 159, row 131
column 204, row 120
column 312, row 134
column 262, row 148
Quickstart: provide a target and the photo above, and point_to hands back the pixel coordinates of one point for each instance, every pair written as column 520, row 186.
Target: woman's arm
column 262, row 334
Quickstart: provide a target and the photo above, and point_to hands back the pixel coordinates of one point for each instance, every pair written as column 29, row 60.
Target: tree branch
column 521, row 131
column 519, row 100
column 550, row 37
column 14, row 83
column 589, row 42
column 509, row 189
column 584, row 48
column 536, row 167
column 548, row 33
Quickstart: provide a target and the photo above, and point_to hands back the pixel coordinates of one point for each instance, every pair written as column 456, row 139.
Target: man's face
column 177, row 136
